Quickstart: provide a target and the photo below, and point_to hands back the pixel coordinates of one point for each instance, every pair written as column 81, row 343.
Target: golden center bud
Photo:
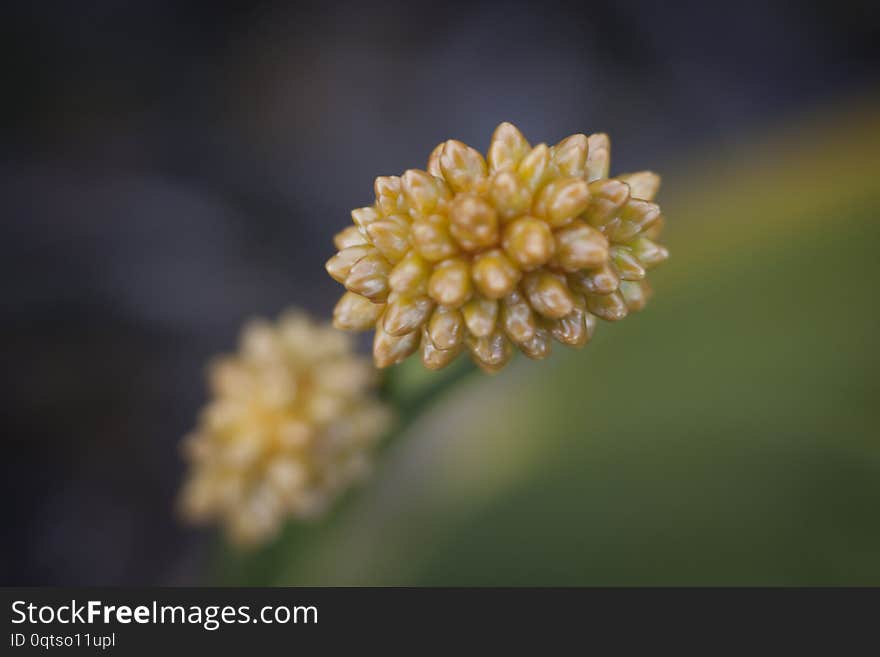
column 291, row 424
column 524, row 245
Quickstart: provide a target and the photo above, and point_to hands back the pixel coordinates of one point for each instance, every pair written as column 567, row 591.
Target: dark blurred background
column 170, row 169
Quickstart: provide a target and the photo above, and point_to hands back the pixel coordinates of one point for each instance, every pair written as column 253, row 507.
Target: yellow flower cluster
column 527, row 245
column 291, row 425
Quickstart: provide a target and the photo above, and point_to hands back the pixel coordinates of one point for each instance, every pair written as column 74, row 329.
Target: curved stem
column 410, row 398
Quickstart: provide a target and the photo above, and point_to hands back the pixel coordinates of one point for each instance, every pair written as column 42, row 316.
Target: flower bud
column 390, row 237
column 347, row 237
column 474, row 222
column 610, row 307
column 491, row 353
column 462, row 166
column 446, row 328
column 527, row 245
column 432, row 239
column 538, row 346
column 339, row 266
column 509, row 195
column 389, row 199
column 494, row 275
column 648, row 253
column 529, row 242
column 405, row 313
column 576, row 328
column 534, row 168
column 579, row 247
column 560, row 202
column 599, row 157
column 642, row 185
column 410, row 274
column 570, row 156
column 423, row 192
column 480, row 315
column 450, row 284
column 626, row 265
column 292, row 424
column 635, row 294
column 369, row 277
column 389, row 349
column 548, row 294
column 363, row 217
column 518, row 319
column 356, row 313
column 433, row 357
column 597, row 281
column 507, row 149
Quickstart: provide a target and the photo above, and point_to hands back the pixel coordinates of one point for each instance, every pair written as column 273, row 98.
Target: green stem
column 411, row 392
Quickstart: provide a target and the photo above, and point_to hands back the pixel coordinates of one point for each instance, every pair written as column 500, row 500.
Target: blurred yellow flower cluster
column 292, row 424
column 527, row 245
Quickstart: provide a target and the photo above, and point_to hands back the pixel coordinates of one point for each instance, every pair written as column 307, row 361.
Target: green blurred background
column 728, row 434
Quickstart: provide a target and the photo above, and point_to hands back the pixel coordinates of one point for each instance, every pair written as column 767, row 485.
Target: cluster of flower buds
column 527, row 245
column 292, row 424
